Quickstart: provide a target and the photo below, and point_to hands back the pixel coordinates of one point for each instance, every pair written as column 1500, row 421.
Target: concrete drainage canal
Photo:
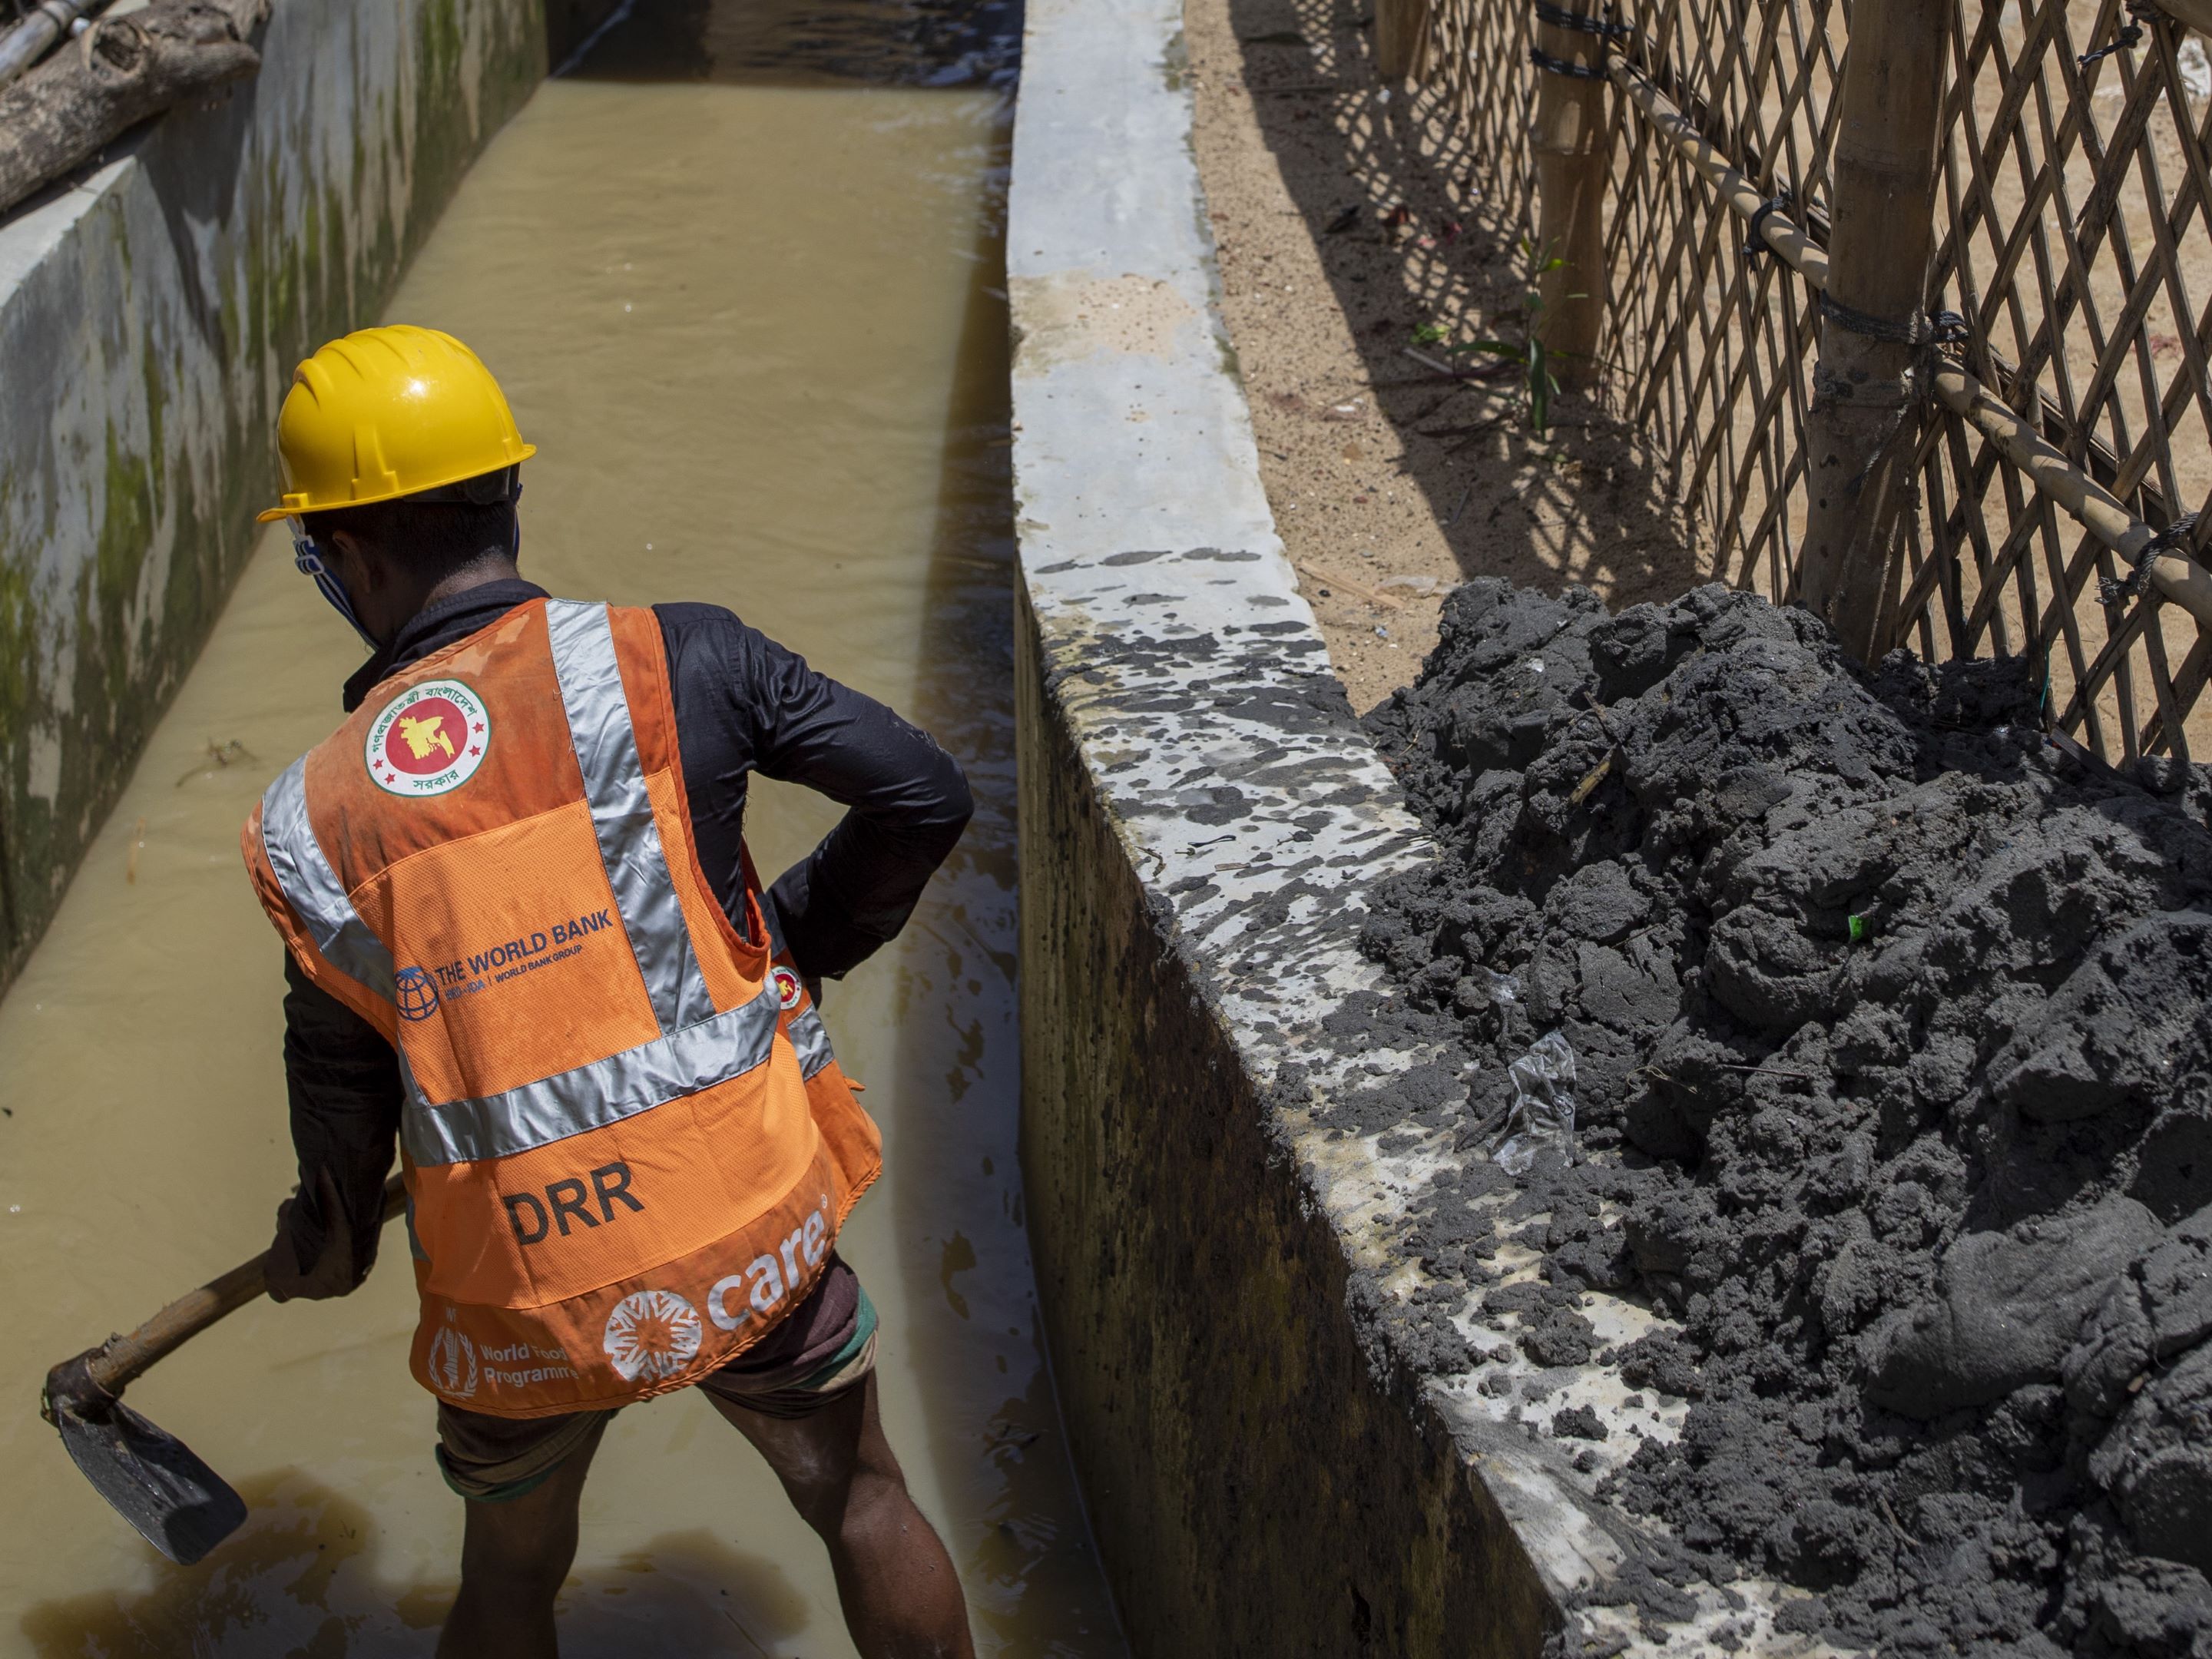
column 1655, row 1141
column 738, row 270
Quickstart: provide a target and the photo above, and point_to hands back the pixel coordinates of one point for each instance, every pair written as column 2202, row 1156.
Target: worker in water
column 524, row 939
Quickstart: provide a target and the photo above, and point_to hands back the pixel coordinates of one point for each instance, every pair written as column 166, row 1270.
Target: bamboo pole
column 1865, row 421
column 1400, row 28
column 1779, row 231
column 2174, row 574
column 1573, row 165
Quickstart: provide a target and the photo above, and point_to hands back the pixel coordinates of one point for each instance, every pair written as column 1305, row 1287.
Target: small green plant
column 1538, row 384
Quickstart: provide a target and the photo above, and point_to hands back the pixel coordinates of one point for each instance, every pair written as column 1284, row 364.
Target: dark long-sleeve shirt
column 744, row 704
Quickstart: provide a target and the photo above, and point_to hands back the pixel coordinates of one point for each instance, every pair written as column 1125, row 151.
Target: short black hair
column 431, row 538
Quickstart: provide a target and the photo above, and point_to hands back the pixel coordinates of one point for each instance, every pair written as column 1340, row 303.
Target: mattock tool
column 157, row 1483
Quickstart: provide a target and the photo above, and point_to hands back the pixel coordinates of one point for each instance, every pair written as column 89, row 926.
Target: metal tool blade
column 157, row 1483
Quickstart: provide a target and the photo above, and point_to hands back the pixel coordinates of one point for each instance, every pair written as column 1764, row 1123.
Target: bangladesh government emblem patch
column 429, row 739
column 787, row 987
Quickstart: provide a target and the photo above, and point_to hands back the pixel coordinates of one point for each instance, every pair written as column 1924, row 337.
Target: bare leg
column 514, row 1557
column 900, row 1596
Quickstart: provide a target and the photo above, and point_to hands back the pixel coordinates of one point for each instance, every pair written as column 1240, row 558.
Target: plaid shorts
column 823, row 1347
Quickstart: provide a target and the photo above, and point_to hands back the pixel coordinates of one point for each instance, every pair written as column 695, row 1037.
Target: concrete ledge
column 151, row 314
column 1223, row 1120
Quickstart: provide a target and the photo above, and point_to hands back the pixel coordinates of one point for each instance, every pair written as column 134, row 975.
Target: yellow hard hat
column 386, row 412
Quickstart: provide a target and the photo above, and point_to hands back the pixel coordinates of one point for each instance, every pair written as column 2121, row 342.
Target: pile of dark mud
column 1894, row 1088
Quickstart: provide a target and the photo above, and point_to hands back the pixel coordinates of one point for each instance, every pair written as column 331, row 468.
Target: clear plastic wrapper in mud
column 1543, row 1113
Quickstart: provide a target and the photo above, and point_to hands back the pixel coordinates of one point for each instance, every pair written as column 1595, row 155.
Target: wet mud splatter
column 1892, row 1030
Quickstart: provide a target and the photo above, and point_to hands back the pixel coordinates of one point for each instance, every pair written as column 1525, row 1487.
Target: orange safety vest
column 627, row 1146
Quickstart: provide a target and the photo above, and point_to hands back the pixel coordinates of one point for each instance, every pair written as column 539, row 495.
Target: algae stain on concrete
column 1174, row 63
column 157, row 398
column 111, row 582
column 131, row 460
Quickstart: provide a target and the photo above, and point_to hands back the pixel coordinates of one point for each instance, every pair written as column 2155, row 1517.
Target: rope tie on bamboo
column 1755, row 243
column 2113, row 592
column 1581, row 22
column 1550, row 65
column 2129, row 36
column 1929, row 335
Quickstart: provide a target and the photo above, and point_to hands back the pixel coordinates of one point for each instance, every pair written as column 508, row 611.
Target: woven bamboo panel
column 2073, row 210
column 2073, row 206
column 1478, row 56
column 1712, row 348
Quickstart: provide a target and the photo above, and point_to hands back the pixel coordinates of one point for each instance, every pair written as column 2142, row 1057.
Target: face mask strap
column 308, row 559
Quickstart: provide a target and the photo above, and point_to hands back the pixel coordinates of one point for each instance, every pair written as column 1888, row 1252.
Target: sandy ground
column 1391, row 483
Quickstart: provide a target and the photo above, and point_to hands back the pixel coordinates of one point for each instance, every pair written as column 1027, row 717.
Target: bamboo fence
column 2053, row 417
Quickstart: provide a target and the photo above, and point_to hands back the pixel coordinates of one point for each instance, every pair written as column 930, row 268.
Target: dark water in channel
column 906, row 43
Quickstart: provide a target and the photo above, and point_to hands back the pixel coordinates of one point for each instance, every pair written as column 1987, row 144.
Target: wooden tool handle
column 116, row 1362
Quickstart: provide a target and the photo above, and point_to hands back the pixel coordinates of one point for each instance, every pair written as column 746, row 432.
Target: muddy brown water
column 752, row 328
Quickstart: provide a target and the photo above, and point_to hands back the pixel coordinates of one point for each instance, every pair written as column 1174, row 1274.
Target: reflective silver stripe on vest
column 621, row 811
column 808, row 1034
column 812, row 1041
column 698, row 1057
column 313, row 888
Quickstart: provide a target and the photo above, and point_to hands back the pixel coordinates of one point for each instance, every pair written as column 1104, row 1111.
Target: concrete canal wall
column 1200, row 812
column 1293, row 1438
column 151, row 309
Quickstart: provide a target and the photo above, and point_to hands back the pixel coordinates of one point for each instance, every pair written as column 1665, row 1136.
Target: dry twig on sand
column 1357, row 590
